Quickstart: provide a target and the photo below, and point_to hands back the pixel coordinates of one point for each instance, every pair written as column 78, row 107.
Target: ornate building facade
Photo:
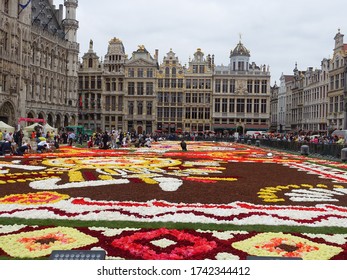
column 139, row 95
column 170, row 86
column 198, row 93
column 241, row 94
column 38, row 62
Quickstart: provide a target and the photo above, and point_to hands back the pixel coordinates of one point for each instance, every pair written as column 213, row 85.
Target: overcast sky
column 278, row 33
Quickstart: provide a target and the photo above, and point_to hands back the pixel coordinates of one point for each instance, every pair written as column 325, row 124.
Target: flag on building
column 23, row 6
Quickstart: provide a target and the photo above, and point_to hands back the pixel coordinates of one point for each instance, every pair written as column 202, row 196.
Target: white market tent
column 29, row 129
column 5, row 126
column 48, row 128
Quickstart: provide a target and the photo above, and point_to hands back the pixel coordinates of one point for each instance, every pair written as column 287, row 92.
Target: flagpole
column 23, row 6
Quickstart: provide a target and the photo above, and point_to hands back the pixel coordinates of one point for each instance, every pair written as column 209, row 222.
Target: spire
column 70, row 23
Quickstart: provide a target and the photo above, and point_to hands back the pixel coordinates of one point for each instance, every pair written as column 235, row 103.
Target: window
column 188, row 83
column 232, row 105
column 195, row 69
column 167, row 83
column 337, row 84
column 160, row 83
column 208, row 84
column 240, row 105
column 218, row 85
column 225, row 86
column 179, row 113
column 139, row 107
column 90, row 63
column 92, row 83
column 241, row 66
column 173, row 113
column 173, row 72
column 173, row 83
column 256, row 86
column 201, row 114
column 224, row 105
column 187, row 113
column 263, row 106
column 131, row 88
column 131, row 72
column 159, row 112
column 173, row 98
column 249, row 105
column 207, row 113
column 140, row 88
column 201, row 98
column 188, row 97
column 166, row 97
column 217, row 105
column 195, row 97
column 201, row 69
column 332, row 83
column 250, row 86
column 113, row 103
column 99, row 82
column 336, row 105
column 264, row 86
column 179, row 97
column 256, row 106
column 195, row 83
column 149, row 73
column 140, row 72
column 131, row 108
column 180, row 83
column 166, row 112
column 201, row 84
column 149, row 88
column 160, row 97
column 194, row 113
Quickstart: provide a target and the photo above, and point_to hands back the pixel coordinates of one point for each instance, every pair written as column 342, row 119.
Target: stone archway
column 58, row 122
column 66, row 120
column 41, row 116
column 50, row 119
column 7, row 114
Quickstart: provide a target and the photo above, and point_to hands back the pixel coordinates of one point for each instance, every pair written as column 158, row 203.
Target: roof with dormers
column 240, row 50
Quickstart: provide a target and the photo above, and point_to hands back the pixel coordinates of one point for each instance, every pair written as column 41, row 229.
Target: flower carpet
column 215, row 201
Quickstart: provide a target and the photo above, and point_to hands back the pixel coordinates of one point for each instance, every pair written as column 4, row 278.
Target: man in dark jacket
column 183, row 145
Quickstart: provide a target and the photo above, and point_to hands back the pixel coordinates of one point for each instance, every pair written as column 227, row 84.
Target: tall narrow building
column 241, row 97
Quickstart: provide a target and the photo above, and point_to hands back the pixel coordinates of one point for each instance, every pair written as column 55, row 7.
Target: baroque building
column 140, row 100
column 170, row 91
column 198, row 93
column 138, row 95
column 337, row 87
column 38, row 61
column 241, row 95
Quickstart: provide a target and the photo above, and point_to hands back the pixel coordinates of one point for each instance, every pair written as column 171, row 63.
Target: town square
column 209, row 132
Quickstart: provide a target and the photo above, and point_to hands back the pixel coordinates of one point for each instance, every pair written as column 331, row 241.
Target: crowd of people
column 304, row 137
column 15, row 143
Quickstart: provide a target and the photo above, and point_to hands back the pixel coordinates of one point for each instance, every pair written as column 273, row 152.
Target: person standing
column 71, row 138
column 183, row 145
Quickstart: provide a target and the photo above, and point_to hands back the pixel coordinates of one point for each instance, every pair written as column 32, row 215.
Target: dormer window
column 90, row 63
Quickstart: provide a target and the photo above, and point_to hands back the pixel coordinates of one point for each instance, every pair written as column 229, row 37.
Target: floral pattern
column 69, row 187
